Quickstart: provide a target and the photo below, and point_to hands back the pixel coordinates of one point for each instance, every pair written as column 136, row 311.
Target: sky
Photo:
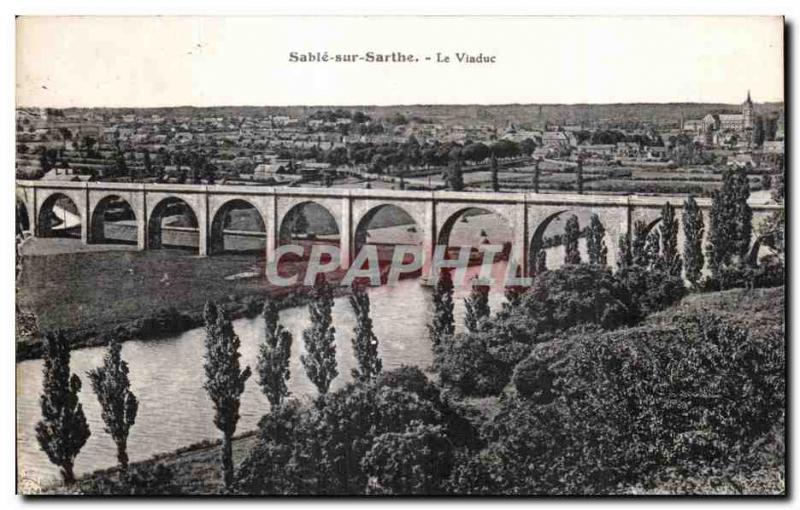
column 217, row 61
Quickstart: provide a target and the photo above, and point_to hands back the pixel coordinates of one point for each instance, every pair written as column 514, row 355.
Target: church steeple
column 747, row 112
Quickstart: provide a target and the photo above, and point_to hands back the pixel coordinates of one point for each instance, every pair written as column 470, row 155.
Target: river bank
column 93, row 296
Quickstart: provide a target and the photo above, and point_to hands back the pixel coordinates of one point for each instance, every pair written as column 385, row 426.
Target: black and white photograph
column 400, row 256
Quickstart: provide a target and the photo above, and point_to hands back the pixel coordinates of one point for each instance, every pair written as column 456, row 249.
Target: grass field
column 101, row 288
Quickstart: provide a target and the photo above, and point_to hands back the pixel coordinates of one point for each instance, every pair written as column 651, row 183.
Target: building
column 721, row 122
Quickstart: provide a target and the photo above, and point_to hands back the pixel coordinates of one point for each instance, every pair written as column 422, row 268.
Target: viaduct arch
column 433, row 213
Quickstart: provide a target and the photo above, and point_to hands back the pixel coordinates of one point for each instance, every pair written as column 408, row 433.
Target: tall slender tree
column 148, row 164
column 693, row 227
column 319, row 339
column 624, row 251
column 652, row 249
column 477, row 307
column 118, row 404
column 273, row 357
column 455, row 176
column 442, row 327
column 541, row 261
column 365, row 343
column 225, row 380
column 579, row 175
column 572, row 233
column 730, row 227
column 595, row 242
column 63, row 429
column 536, row 175
column 495, row 181
column 668, row 228
column 638, row 244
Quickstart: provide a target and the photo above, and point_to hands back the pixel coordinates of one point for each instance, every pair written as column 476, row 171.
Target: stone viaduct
column 434, row 213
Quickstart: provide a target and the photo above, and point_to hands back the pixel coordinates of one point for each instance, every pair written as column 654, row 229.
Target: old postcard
column 384, row 256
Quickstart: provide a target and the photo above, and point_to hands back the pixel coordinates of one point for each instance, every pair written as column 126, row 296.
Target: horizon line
column 396, row 105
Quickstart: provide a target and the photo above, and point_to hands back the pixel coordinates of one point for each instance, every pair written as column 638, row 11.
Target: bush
column 584, row 297
column 410, row 462
column 140, row 480
column 480, row 363
column 573, row 295
column 693, row 395
column 321, row 449
column 651, row 290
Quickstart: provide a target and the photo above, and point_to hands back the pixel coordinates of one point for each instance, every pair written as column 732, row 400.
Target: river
column 167, row 377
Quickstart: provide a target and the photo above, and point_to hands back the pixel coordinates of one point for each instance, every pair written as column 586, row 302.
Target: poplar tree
column 443, row 325
column 365, row 343
column 495, row 181
column 477, row 307
column 624, row 251
column 455, row 177
column 637, row 244
column 319, row 339
column 595, row 242
column 63, row 429
column 668, row 229
column 118, row 404
column 571, row 235
column 579, row 175
column 731, row 223
column 225, row 380
column 536, row 175
column 273, row 357
column 541, row 261
column 652, row 250
column 693, row 226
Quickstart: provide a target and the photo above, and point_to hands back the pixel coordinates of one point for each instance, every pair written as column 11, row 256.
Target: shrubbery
column 693, row 396
column 577, row 296
column 341, row 444
column 139, row 480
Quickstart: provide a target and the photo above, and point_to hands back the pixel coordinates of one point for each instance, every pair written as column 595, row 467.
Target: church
column 730, row 121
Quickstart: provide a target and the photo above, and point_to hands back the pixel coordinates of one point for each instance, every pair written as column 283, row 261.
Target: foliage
column 495, row 181
column 477, row 307
column 273, row 357
column 693, row 227
column 595, row 242
column 140, row 480
column 579, row 298
column 571, row 235
column 541, row 262
column 481, row 363
column 651, row 290
column 638, row 244
column 365, row 343
column 624, row 250
column 731, row 223
column 63, row 430
column 117, row 403
column 442, row 326
column 454, row 175
column 320, row 358
column 224, row 379
column 573, row 295
column 623, row 407
column 322, row 449
column 536, row 176
column 669, row 258
column 409, row 462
